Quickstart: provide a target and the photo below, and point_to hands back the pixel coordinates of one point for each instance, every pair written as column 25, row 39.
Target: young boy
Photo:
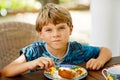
column 54, row 25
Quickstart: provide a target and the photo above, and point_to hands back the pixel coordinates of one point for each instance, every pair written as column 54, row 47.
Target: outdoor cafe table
column 92, row 75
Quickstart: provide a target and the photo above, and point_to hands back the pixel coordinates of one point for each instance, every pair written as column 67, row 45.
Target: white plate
column 52, row 72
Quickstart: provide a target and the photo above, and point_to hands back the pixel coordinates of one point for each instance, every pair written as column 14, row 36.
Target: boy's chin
column 57, row 46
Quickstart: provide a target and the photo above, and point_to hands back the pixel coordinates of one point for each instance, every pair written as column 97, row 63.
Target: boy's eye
column 48, row 30
column 62, row 28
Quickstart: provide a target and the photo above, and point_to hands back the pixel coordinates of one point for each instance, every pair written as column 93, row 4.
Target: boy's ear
column 71, row 29
column 40, row 34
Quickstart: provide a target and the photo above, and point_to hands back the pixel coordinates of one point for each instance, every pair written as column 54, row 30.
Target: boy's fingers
column 91, row 64
column 41, row 65
column 88, row 65
column 95, row 66
column 46, row 63
column 51, row 62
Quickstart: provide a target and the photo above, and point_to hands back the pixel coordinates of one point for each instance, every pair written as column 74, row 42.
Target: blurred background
column 27, row 11
column 96, row 22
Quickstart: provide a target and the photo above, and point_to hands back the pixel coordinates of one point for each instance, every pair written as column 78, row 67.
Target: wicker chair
column 0, row 74
column 13, row 36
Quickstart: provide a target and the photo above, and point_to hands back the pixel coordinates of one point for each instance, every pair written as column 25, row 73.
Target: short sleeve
column 90, row 52
column 28, row 52
column 32, row 51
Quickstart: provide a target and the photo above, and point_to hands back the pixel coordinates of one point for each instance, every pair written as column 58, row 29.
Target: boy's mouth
column 56, row 40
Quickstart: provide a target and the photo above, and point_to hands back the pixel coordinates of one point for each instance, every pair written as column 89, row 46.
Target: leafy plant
column 17, row 5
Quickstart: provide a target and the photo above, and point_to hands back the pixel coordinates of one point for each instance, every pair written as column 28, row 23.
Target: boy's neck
column 58, row 52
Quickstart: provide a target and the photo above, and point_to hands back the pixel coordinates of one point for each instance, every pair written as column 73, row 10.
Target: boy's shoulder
column 75, row 45
column 78, row 45
column 74, row 42
column 37, row 44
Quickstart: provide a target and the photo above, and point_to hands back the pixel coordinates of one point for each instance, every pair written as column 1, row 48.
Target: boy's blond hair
column 52, row 13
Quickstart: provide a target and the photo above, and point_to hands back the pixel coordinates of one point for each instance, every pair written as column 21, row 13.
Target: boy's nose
column 55, row 33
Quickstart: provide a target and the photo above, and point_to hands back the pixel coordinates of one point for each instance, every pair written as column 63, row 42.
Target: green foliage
column 16, row 5
column 2, row 4
column 65, row 1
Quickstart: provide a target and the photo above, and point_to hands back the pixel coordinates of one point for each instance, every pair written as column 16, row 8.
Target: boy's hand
column 94, row 64
column 42, row 63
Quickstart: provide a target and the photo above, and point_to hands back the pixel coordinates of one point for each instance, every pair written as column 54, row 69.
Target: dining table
column 92, row 74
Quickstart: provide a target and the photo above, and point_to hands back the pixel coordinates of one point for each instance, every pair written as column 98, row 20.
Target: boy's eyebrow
column 61, row 25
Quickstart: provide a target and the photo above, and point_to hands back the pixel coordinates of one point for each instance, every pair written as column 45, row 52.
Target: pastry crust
column 66, row 73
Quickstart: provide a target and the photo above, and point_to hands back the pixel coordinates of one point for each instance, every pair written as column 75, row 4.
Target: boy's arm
column 16, row 67
column 104, row 56
column 20, row 65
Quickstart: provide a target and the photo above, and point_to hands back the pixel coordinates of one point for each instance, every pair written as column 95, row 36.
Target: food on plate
column 50, row 70
column 66, row 73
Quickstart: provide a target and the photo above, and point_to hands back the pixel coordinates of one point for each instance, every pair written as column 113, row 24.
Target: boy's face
column 56, row 36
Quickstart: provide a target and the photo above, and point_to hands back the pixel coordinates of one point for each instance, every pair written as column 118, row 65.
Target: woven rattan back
column 13, row 37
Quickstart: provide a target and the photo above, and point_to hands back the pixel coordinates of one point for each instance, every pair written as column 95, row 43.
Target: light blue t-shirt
column 76, row 52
